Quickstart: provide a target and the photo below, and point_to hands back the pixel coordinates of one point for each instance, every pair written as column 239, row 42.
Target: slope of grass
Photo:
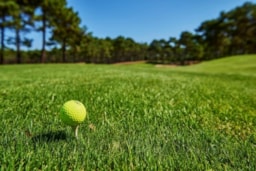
column 243, row 64
column 139, row 118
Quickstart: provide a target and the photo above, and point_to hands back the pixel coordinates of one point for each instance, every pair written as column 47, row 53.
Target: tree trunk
column 64, row 51
column 43, row 53
column 2, row 46
column 18, row 55
column 2, row 42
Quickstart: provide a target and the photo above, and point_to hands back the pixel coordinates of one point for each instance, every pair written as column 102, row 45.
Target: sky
column 145, row 20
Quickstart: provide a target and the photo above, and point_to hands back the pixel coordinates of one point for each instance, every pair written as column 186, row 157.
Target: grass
column 242, row 65
column 140, row 117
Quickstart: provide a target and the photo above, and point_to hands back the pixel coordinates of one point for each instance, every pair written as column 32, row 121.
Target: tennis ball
column 73, row 113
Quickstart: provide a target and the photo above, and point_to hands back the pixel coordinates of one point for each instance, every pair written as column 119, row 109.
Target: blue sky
column 145, row 20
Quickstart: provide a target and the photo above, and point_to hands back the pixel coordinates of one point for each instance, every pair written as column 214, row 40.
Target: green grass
column 242, row 65
column 140, row 117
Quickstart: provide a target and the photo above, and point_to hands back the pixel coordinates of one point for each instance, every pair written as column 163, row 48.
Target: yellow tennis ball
column 73, row 113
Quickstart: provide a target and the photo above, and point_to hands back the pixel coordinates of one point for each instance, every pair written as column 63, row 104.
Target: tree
column 175, row 48
column 155, row 51
column 66, row 28
column 45, row 6
column 47, row 13
column 191, row 48
column 22, row 15
column 166, row 52
column 242, row 28
column 5, row 17
column 161, row 51
column 209, row 31
column 231, row 33
column 3, row 14
column 119, row 48
column 106, row 50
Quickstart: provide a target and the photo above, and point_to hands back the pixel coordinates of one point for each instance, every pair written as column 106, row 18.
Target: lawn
column 140, row 117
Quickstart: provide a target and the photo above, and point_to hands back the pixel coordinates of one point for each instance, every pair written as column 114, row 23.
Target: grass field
column 140, row 117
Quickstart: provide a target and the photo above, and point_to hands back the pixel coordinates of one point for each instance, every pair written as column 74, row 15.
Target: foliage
column 231, row 33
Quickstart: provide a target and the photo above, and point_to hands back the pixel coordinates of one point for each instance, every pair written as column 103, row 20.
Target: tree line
column 231, row 33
